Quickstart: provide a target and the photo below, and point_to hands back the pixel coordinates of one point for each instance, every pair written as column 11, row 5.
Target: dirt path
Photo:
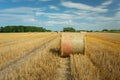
column 63, row 72
column 21, row 60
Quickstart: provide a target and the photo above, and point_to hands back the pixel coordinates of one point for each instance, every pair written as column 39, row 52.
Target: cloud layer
column 66, row 13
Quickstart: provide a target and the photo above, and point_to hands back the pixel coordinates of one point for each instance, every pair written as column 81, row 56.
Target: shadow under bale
column 55, row 51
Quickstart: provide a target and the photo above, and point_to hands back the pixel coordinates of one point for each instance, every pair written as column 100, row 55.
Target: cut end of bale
column 72, row 43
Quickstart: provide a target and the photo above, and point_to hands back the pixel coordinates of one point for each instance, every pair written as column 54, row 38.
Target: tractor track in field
column 63, row 72
column 24, row 58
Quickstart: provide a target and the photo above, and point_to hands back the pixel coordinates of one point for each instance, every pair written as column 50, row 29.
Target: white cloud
column 20, row 14
column 29, row 20
column 78, row 15
column 108, row 2
column 60, row 23
column 105, row 4
column 53, row 7
column 88, row 13
column 117, row 16
column 39, row 13
column 23, row 10
column 11, row 18
column 32, row 20
column 81, row 6
column 60, row 16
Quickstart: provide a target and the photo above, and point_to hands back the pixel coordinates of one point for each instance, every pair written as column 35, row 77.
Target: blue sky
column 56, row 14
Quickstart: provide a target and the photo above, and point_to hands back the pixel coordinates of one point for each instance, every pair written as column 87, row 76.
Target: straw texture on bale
column 72, row 43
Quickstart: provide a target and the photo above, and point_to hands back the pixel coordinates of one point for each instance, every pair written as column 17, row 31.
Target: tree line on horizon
column 8, row 29
column 71, row 29
column 23, row 29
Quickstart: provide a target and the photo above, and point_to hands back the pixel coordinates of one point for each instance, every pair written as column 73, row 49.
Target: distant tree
column 23, row 29
column 111, row 31
column 1, row 29
column 104, row 30
column 90, row 31
column 69, row 29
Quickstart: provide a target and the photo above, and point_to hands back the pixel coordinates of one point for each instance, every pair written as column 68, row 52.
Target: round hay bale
column 72, row 43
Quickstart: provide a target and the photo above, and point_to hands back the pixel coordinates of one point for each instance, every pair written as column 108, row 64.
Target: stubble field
column 36, row 56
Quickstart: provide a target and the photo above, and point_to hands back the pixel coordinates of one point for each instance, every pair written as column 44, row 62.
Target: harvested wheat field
column 37, row 56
